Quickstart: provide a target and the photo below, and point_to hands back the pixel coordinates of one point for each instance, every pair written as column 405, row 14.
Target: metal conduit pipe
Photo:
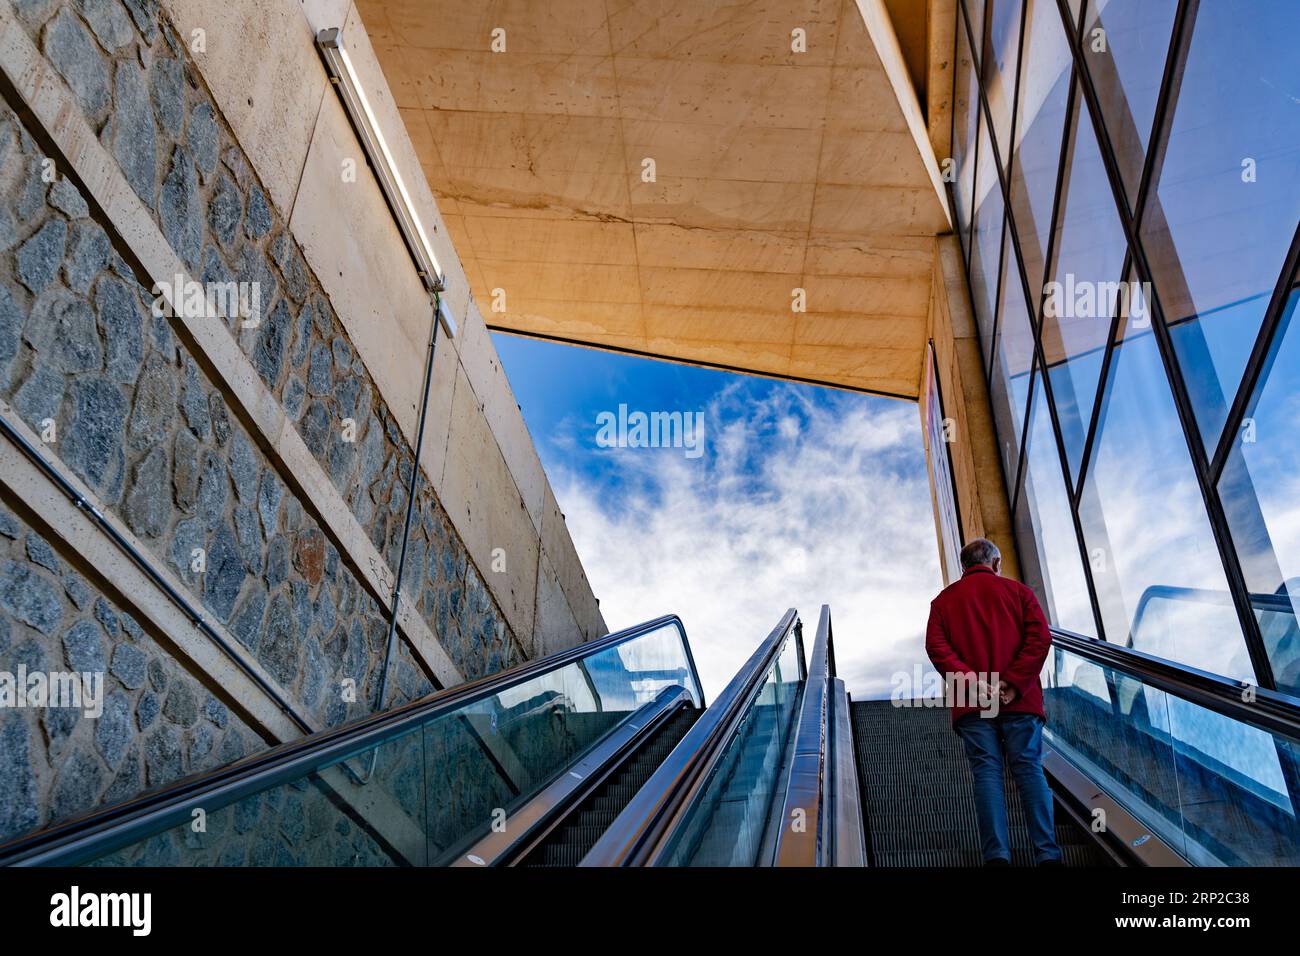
column 364, row 778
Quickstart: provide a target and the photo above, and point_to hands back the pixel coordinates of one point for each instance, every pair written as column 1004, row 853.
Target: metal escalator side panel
column 802, row 837
column 821, row 819
column 848, row 837
column 820, row 822
column 1127, row 840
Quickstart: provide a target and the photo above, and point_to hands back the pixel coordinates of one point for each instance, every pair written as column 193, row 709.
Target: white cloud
column 794, row 504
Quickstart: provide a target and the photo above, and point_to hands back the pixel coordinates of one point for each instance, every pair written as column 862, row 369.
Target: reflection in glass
column 975, row 13
column 966, row 111
column 1045, row 527
column 1044, row 95
column 1080, row 302
column 1237, row 809
column 732, row 820
column 1013, row 360
column 1144, row 520
column 1260, row 489
column 1103, row 722
column 1217, row 790
column 998, row 66
column 436, row 786
column 1227, row 198
column 986, row 240
column 1126, row 62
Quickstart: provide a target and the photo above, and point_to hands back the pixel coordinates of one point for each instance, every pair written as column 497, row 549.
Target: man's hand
column 1006, row 693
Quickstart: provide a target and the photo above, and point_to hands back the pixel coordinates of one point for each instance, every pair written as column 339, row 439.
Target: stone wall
column 130, row 407
column 158, row 724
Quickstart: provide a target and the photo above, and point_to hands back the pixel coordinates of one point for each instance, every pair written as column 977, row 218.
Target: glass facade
column 1225, row 200
column 1133, row 201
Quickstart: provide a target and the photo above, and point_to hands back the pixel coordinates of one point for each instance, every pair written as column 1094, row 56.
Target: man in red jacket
column 988, row 638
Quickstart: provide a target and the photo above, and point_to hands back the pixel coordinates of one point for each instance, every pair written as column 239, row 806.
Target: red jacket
column 990, row 626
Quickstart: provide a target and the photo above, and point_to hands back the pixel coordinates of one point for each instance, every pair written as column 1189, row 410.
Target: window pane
column 1225, row 207
column 1045, row 527
column 966, row 113
column 1079, row 305
column 1013, row 360
column 986, row 238
column 1126, row 61
column 1160, row 583
column 1044, row 93
column 998, row 67
column 1260, row 489
column 1236, row 802
column 975, row 10
column 1116, row 730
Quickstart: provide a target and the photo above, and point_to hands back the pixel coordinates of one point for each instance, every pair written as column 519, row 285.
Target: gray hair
column 979, row 551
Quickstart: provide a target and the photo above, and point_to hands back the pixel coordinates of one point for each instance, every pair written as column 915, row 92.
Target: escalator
column 469, row 775
column 1151, row 763
column 918, row 797
column 572, row 838
column 606, row 755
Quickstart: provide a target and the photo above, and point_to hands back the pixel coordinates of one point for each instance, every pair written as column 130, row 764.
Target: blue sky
column 801, row 496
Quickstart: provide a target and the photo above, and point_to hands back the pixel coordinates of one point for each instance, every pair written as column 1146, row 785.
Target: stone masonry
column 131, row 411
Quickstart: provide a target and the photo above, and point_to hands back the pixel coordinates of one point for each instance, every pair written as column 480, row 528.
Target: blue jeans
column 1020, row 738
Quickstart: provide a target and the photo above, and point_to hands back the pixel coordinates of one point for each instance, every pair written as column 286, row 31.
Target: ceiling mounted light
column 344, row 77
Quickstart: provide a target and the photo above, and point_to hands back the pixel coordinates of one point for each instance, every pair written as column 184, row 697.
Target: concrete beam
column 977, row 467
column 885, row 40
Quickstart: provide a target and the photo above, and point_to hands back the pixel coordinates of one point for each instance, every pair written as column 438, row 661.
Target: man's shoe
column 1055, row 864
column 997, row 861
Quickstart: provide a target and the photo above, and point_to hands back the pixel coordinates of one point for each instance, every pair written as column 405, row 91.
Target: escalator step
column 918, row 797
column 568, row 843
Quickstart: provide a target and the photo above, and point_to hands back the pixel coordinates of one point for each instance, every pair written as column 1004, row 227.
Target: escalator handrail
column 157, row 810
column 822, row 788
column 1270, row 710
column 808, row 783
column 643, row 830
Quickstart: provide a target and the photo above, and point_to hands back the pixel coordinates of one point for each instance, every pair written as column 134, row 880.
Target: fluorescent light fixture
column 344, row 78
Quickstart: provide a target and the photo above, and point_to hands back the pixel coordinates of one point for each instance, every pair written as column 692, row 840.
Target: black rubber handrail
column 642, row 832
column 1268, row 709
column 103, row 830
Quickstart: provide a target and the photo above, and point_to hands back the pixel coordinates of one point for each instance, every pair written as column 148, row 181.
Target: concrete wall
column 281, row 452
column 976, row 464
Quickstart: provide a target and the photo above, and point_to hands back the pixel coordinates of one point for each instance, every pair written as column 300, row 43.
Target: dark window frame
column 1083, row 105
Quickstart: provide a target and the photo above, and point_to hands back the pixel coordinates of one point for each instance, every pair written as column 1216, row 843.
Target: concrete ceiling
column 774, row 171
